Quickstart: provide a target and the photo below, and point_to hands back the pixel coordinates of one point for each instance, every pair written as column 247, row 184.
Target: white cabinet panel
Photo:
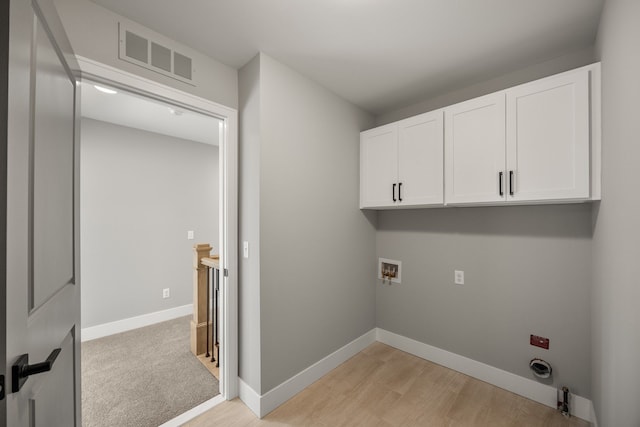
column 420, row 160
column 475, row 150
column 548, row 139
column 401, row 164
column 538, row 142
column 378, row 166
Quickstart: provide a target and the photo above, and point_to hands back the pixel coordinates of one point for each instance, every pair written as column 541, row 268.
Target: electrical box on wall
column 389, row 270
column 539, row 341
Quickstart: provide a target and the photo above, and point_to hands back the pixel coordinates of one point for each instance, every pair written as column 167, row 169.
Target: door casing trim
column 228, row 193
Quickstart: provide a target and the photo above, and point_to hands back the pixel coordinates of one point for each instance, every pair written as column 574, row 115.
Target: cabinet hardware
column 511, row 183
column 393, row 192
column 500, row 183
column 400, row 192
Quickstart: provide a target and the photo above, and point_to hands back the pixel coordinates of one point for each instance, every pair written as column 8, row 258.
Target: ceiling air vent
column 154, row 55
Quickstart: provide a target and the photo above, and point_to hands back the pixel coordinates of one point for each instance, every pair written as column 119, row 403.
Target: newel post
column 199, row 320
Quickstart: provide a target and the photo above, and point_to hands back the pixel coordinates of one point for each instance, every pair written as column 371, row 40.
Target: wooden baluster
column 200, row 284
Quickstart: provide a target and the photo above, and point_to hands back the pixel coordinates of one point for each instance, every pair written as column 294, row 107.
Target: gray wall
column 314, row 269
column 317, row 248
column 562, row 63
column 93, row 32
column 249, row 224
column 527, row 271
column 140, row 194
column 511, row 256
column 616, row 288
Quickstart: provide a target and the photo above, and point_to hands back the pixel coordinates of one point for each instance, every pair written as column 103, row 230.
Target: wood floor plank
column 399, row 372
column 385, row 387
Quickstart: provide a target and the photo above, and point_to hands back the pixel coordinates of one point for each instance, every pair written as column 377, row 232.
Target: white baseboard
column 249, row 396
column 106, row 329
column 261, row 405
column 594, row 418
column 528, row 388
column 294, row 385
column 194, row 412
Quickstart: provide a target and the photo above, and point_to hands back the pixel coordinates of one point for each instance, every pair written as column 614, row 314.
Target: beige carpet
column 143, row 377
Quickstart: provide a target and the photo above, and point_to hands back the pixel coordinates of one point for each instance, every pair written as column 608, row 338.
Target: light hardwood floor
column 382, row 386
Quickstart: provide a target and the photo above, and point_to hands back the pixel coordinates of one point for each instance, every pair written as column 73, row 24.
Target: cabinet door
column 420, row 160
column 475, row 150
column 379, row 167
column 548, row 139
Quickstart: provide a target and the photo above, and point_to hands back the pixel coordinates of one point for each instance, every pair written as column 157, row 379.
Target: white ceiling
column 126, row 109
column 378, row 54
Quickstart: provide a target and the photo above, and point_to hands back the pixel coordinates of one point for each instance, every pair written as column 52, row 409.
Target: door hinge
column 2, row 387
column 226, row 273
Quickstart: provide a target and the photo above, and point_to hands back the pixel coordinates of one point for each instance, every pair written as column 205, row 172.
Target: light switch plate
column 458, row 277
column 245, row 249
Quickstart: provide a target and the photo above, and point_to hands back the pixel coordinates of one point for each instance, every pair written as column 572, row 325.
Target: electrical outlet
column 458, row 277
column 190, row 235
column 166, row 293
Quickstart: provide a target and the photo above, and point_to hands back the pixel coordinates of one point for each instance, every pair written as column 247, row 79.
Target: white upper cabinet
column 548, row 139
column 475, row 150
column 539, row 142
column 401, row 163
column 378, row 166
column 535, row 143
column 420, row 160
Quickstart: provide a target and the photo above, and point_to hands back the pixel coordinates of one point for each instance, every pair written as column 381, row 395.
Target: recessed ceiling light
column 175, row 112
column 105, row 90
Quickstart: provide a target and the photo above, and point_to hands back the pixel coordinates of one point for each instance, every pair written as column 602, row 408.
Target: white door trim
column 96, row 71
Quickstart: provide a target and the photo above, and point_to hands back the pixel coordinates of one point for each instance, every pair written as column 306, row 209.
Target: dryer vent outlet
column 540, row 368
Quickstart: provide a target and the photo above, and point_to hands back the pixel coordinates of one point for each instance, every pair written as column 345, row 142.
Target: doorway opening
column 152, row 191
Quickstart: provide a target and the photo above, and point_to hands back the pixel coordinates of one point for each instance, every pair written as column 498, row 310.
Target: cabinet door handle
column 393, row 192
column 500, row 183
column 400, row 192
column 511, row 183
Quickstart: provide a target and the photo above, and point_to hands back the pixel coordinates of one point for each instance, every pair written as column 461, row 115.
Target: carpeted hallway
column 143, row 377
